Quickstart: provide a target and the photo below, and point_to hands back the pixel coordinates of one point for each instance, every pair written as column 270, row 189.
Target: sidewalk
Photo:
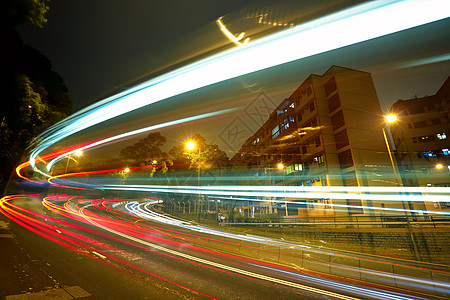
column 21, row 277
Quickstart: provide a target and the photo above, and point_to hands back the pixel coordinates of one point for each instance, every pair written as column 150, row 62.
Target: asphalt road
column 82, row 249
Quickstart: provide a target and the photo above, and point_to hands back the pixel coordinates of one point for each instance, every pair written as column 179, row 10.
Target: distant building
column 421, row 136
column 327, row 133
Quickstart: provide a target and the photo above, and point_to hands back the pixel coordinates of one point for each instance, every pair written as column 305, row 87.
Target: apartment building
column 328, row 132
column 421, row 135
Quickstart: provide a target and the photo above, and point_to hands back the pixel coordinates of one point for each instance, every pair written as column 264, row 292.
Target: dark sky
column 100, row 45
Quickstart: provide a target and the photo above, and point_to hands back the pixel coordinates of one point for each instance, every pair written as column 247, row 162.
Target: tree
column 147, row 152
column 33, row 95
column 24, row 12
column 203, row 155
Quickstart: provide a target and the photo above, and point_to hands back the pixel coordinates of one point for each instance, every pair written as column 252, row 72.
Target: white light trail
column 280, row 193
column 350, row 26
column 135, row 132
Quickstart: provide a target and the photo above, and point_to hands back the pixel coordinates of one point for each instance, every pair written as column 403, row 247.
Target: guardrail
column 353, row 222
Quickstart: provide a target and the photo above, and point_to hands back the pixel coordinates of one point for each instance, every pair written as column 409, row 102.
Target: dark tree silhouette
column 33, row 95
column 147, row 152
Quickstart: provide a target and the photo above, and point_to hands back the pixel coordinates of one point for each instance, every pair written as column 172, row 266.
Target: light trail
column 230, row 36
column 287, row 194
column 141, row 236
column 324, row 34
column 134, row 132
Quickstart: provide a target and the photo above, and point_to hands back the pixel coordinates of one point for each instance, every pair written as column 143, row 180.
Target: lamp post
column 391, row 119
column 190, row 145
column 78, row 153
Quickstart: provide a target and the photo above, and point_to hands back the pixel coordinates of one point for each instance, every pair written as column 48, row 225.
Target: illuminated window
column 320, row 160
column 429, row 154
column 441, row 136
column 426, row 138
column 446, row 151
column 298, row 167
column 275, row 132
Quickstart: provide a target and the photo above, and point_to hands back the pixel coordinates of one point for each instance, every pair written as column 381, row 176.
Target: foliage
column 24, row 12
column 204, row 156
column 33, row 95
column 147, row 152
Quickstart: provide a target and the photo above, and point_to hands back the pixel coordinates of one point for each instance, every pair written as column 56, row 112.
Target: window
column 416, row 110
column 292, row 105
column 275, row 132
column 337, row 120
column 441, row 136
column 320, row 160
column 436, row 121
column 341, row 139
column 445, row 151
column 317, row 141
column 334, row 102
column 298, row 167
column 304, row 150
column 430, row 107
column 426, row 138
column 345, row 159
column 330, row 86
column 312, row 107
column 429, row 154
column 414, row 139
column 420, row 124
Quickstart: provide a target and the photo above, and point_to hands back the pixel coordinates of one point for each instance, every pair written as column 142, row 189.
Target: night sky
column 102, row 47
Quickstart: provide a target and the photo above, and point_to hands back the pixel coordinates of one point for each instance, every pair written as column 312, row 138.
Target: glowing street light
column 126, row 170
column 190, row 145
column 280, row 166
column 78, row 153
column 439, row 166
column 391, row 118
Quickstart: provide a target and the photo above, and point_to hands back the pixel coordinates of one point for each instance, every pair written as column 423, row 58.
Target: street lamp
column 439, row 166
column 190, row 145
column 391, row 118
column 78, row 153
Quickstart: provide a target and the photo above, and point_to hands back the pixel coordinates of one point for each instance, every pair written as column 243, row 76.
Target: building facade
column 421, row 135
column 328, row 132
